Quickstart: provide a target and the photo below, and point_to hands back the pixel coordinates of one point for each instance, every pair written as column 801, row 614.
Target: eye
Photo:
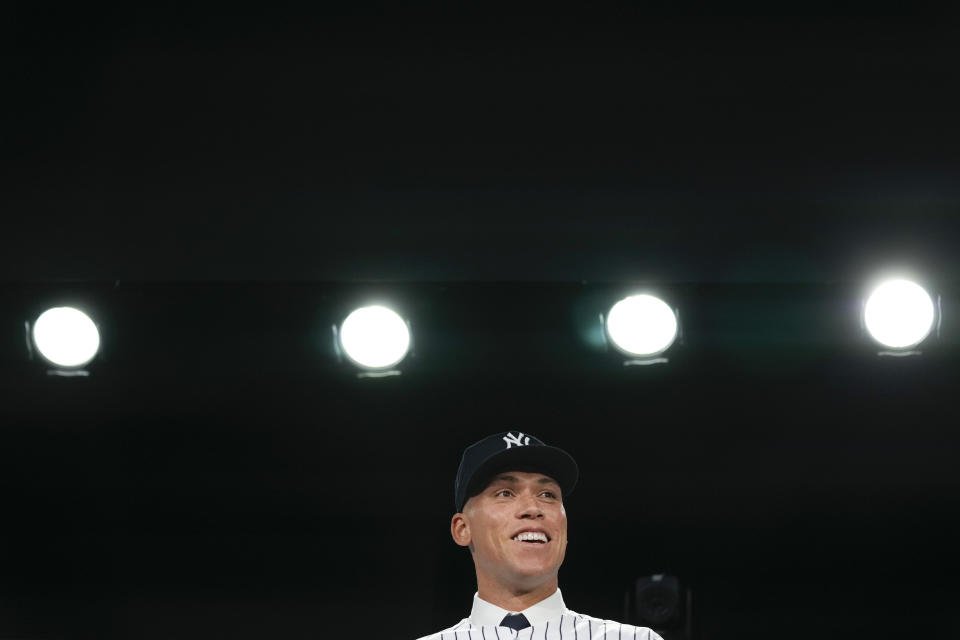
column 503, row 492
column 548, row 494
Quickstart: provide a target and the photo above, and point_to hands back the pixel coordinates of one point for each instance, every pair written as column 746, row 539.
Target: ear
column 460, row 530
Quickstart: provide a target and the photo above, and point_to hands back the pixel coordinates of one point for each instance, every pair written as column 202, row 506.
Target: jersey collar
column 485, row 614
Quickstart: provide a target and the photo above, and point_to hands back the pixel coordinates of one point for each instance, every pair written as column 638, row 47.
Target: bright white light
column 66, row 337
column 642, row 325
column 899, row 314
column 375, row 337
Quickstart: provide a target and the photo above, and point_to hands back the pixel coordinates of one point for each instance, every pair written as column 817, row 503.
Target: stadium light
column 66, row 337
column 641, row 326
column 899, row 314
column 374, row 337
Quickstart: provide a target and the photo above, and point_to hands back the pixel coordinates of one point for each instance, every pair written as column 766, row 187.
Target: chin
column 535, row 575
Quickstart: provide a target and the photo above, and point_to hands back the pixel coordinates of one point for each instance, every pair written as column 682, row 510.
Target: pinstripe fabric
column 570, row 625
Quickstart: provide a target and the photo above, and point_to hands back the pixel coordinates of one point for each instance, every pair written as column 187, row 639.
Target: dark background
column 218, row 186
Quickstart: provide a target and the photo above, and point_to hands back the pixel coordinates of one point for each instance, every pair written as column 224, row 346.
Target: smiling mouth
column 531, row 537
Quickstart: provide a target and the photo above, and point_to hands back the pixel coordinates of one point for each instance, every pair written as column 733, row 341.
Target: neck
column 514, row 598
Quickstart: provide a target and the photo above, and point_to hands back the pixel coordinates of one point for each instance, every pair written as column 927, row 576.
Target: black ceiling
column 396, row 143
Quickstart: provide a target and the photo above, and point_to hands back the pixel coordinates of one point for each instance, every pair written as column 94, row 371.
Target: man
column 509, row 496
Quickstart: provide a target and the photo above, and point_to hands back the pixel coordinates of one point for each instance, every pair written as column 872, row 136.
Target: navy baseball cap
column 511, row 451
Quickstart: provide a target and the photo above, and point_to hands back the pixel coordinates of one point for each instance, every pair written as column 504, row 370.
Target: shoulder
column 599, row 628
column 450, row 633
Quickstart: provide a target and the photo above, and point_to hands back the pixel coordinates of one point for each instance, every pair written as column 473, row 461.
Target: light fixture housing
column 374, row 338
column 641, row 326
column 65, row 337
column 899, row 314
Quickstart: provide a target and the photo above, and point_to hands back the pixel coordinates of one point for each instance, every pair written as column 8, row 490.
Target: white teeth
column 530, row 536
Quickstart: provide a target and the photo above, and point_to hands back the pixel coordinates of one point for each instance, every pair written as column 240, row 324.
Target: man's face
column 517, row 529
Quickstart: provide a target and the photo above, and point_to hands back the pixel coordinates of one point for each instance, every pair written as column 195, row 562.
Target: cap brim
column 550, row 461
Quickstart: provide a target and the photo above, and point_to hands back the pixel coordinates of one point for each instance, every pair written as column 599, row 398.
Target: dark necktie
column 515, row 621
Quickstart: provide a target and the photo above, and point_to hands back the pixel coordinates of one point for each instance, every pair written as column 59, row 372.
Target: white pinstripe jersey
column 569, row 626
column 550, row 620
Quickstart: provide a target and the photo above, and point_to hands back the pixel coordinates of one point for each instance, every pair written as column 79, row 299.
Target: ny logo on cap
column 518, row 440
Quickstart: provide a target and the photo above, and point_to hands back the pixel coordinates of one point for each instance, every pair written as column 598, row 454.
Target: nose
column 529, row 509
